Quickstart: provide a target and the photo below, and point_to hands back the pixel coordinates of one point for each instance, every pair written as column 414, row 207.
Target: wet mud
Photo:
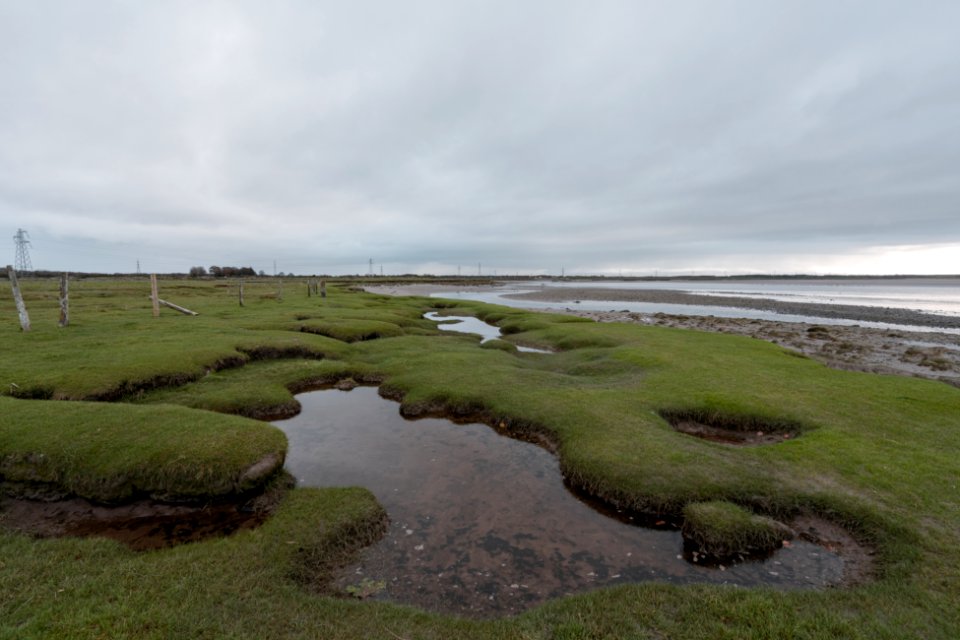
column 729, row 436
column 482, row 524
column 141, row 525
column 733, row 430
column 667, row 296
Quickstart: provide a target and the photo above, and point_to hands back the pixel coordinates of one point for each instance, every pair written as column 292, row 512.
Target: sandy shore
column 930, row 355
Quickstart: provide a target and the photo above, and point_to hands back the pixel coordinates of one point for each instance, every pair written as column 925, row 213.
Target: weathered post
column 64, row 301
column 154, row 295
column 241, row 292
column 309, row 288
column 323, row 288
column 176, row 307
column 21, row 308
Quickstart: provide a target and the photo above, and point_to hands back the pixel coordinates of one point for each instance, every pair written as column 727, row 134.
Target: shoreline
column 888, row 315
column 930, row 355
column 892, row 351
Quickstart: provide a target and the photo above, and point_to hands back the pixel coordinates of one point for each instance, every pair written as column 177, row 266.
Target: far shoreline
column 929, row 354
column 888, row 315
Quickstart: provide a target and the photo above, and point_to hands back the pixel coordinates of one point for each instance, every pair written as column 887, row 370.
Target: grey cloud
column 747, row 135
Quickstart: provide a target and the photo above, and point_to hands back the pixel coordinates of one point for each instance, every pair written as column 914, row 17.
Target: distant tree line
column 222, row 272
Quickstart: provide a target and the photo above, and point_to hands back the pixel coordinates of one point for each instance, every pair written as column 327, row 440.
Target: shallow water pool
column 469, row 324
column 482, row 524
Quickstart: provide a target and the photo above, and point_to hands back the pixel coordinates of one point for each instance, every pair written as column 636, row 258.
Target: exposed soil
column 735, row 430
column 141, row 525
column 858, row 559
column 729, row 436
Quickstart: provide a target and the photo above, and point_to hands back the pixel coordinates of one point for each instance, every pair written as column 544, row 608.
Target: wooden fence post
column 21, row 308
column 154, row 295
column 64, row 301
column 176, row 307
column 241, row 292
column 323, row 288
column 309, row 288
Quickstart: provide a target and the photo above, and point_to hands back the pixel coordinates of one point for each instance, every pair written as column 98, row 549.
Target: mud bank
column 888, row 315
column 141, row 525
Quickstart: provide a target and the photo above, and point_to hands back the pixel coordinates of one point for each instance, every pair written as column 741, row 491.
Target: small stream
column 469, row 324
column 482, row 524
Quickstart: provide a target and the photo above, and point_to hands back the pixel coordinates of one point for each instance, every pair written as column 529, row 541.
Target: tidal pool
column 482, row 524
column 469, row 324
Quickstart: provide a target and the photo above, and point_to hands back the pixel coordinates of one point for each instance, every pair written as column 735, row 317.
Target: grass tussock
column 723, row 530
column 501, row 345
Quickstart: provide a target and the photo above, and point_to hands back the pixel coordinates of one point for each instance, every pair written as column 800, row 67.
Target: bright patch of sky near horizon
column 616, row 137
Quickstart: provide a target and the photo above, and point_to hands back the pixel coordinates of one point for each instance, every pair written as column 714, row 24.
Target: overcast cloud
column 527, row 136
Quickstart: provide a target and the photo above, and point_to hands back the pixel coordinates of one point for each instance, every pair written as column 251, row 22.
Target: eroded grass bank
column 875, row 453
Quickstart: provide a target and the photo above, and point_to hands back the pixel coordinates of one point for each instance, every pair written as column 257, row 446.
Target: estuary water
column 940, row 296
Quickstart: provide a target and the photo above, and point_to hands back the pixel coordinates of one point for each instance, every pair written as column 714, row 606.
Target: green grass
column 875, row 453
column 723, row 529
column 258, row 391
column 111, row 453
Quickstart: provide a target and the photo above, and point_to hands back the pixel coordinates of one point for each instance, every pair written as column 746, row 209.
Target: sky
column 632, row 138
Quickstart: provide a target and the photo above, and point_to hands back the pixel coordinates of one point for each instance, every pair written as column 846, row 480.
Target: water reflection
column 469, row 324
column 481, row 524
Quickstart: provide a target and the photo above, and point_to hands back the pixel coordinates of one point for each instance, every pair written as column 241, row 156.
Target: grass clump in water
column 722, row 530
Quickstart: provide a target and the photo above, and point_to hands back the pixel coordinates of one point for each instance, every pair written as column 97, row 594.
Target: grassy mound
column 501, row 345
column 114, row 453
column 722, row 530
column 351, row 329
column 261, row 390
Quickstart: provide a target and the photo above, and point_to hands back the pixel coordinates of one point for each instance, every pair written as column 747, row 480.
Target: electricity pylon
column 22, row 260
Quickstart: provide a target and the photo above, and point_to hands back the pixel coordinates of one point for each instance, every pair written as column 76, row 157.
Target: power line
column 22, row 260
